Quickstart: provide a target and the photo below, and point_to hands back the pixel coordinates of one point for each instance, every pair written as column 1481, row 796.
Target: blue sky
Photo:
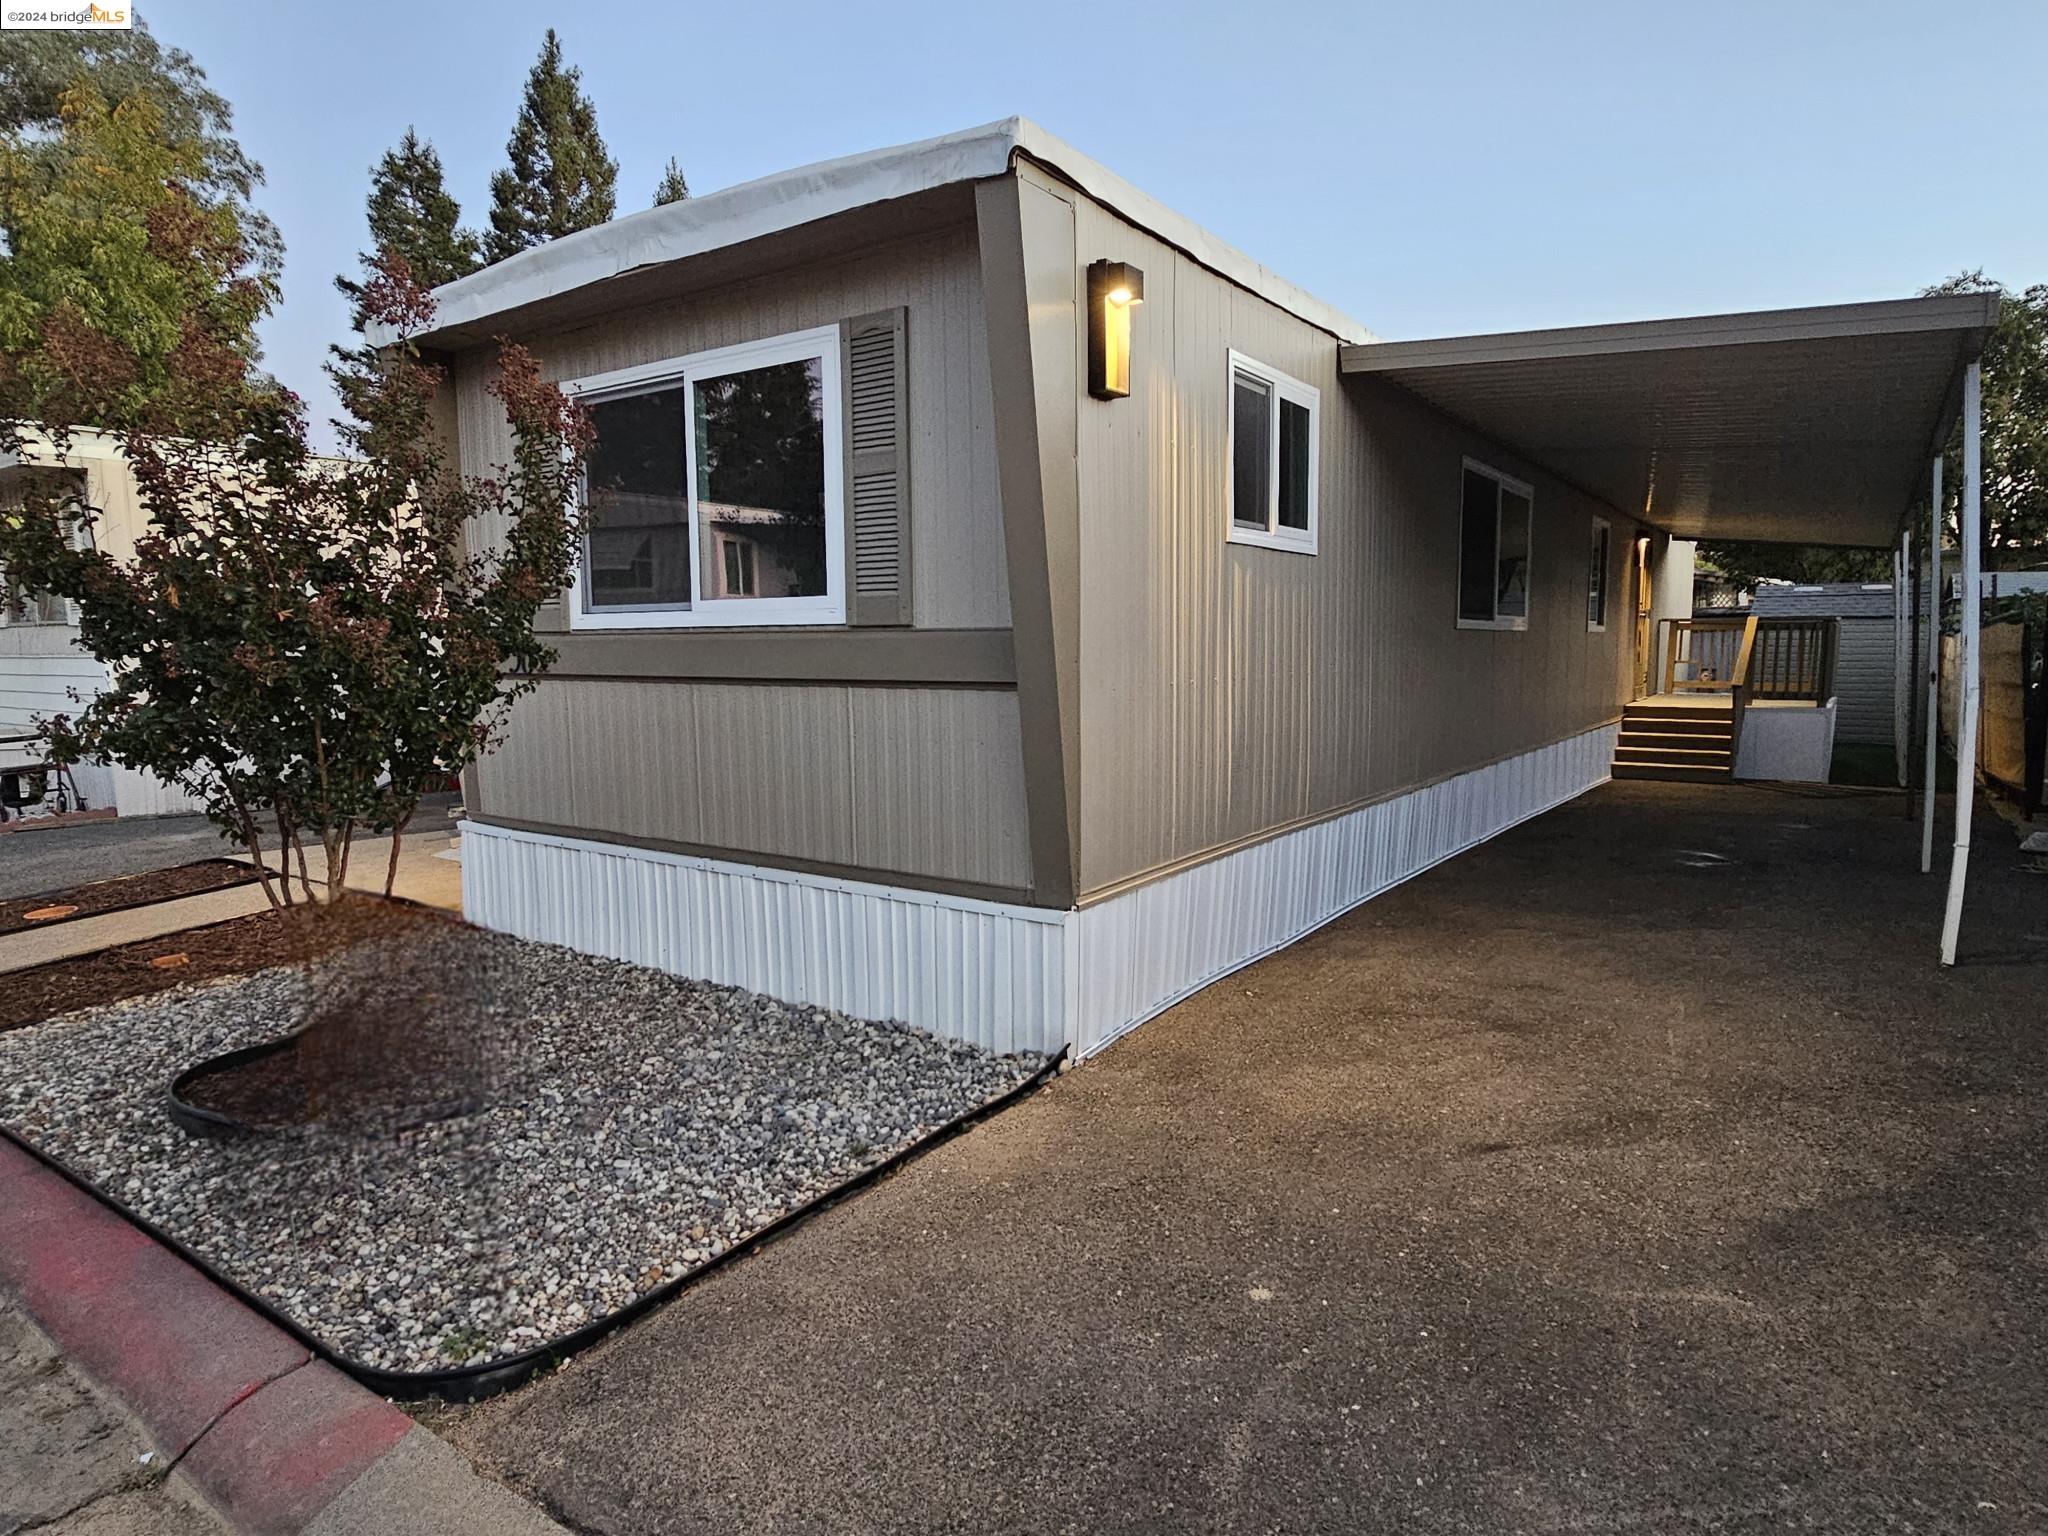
column 1429, row 168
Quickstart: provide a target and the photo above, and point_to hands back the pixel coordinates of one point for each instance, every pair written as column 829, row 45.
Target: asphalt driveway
column 1639, row 1171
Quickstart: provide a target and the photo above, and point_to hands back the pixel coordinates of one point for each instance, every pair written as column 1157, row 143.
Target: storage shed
column 1866, row 663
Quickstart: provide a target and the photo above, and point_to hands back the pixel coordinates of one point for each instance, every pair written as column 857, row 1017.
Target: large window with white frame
column 1599, row 561
column 1274, row 426
column 1494, row 531
column 713, row 491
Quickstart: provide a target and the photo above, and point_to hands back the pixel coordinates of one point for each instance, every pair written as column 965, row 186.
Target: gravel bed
column 641, row 1126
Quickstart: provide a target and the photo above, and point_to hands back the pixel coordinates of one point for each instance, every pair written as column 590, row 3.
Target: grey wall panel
column 531, row 774
column 635, row 750
column 775, row 770
column 1229, row 690
column 956, row 532
column 904, row 783
column 938, row 783
column 1864, row 682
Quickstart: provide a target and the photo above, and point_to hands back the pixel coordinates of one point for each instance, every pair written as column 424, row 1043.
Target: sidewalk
column 424, row 875
column 137, row 1395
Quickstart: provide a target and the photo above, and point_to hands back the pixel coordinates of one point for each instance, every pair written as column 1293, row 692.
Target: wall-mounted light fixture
column 1114, row 289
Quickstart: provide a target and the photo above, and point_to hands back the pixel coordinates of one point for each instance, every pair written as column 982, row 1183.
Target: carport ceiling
column 1810, row 426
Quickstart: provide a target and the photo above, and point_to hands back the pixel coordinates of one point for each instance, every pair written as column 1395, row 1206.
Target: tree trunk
column 397, row 836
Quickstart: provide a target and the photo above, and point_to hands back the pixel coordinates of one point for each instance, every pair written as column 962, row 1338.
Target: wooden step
column 1697, row 741
column 1709, row 755
column 1679, row 718
column 1676, row 772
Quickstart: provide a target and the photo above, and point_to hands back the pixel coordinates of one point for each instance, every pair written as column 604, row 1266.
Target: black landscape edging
column 210, row 1124
column 49, row 897
column 469, row 1384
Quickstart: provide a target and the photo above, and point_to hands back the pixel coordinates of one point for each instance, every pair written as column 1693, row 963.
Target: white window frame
column 1525, row 490
column 81, row 538
column 1600, row 537
column 1285, row 387
column 829, row 607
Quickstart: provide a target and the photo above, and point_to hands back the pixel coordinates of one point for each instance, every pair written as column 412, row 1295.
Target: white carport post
column 1933, row 674
column 1902, row 659
column 1969, row 534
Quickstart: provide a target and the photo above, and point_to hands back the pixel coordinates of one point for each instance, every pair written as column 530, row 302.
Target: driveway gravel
column 640, row 1125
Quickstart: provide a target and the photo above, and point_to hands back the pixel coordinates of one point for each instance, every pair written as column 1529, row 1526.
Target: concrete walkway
column 425, row 875
column 73, row 1460
column 1639, row 1171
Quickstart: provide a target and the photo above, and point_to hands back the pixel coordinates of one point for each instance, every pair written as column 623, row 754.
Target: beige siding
column 956, row 531
column 1229, row 690
column 917, row 782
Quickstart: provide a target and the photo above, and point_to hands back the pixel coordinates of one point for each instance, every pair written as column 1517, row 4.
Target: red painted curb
column 273, row 1435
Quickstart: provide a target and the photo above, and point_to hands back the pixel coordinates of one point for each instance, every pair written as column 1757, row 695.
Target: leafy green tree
column 560, row 179
column 37, row 68
column 126, row 300
column 1744, row 564
column 672, row 188
column 413, row 216
column 2015, row 381
column 305, row 642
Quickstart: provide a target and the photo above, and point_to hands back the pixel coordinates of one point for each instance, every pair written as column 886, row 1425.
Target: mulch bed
column 118, row 895
column 220, row 949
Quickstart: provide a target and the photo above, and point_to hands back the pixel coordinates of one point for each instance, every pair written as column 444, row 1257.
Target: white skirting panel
column 1143, row 951
column 1008, row 978
column 965, row 970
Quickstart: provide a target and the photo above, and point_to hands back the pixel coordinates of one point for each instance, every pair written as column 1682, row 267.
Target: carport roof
column 1811, row 426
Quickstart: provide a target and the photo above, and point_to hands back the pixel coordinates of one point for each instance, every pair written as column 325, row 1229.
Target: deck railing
column 1765, row 658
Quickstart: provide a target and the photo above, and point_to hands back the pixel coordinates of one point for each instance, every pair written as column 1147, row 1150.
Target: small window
column 1493, row 550
column 739, row 569
column 714, row 489
column 1596, row 578
column 1273, row 470
column 18, row 605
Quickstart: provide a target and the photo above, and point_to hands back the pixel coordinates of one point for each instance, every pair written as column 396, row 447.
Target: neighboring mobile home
column 44, row 670
column 1008, row 608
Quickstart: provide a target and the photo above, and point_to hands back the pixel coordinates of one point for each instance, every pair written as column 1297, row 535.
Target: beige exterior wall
column 957, row 572
column 924, row 783
column 1227, row 691
column 914, row 783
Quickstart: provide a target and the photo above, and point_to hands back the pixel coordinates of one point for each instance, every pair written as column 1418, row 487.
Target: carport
column 1796, row 426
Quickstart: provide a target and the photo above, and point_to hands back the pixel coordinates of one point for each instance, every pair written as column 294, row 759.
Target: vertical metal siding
column 1144, row 950
column 957, row 570
column 1226, row 689
column 982, row 972
column 907, row 781
column 1864, row 682
column 1003, row 977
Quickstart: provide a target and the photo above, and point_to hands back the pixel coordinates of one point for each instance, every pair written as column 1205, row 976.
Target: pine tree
column 412, row 215
column 560, row 179
column 671, row 188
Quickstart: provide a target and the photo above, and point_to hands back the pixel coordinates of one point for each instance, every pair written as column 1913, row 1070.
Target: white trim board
column 1000, row 976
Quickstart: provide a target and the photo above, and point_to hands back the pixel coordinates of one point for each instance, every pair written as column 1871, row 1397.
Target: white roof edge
column 790, row 198
column 1882, row 317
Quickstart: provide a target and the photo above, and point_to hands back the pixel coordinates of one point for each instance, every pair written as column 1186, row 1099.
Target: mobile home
column 1007, row 608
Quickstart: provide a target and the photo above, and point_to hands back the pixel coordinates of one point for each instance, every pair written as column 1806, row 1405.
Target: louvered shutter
column 877, row 468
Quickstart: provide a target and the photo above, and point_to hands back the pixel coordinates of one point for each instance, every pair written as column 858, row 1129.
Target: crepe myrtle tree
column 303, row 643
